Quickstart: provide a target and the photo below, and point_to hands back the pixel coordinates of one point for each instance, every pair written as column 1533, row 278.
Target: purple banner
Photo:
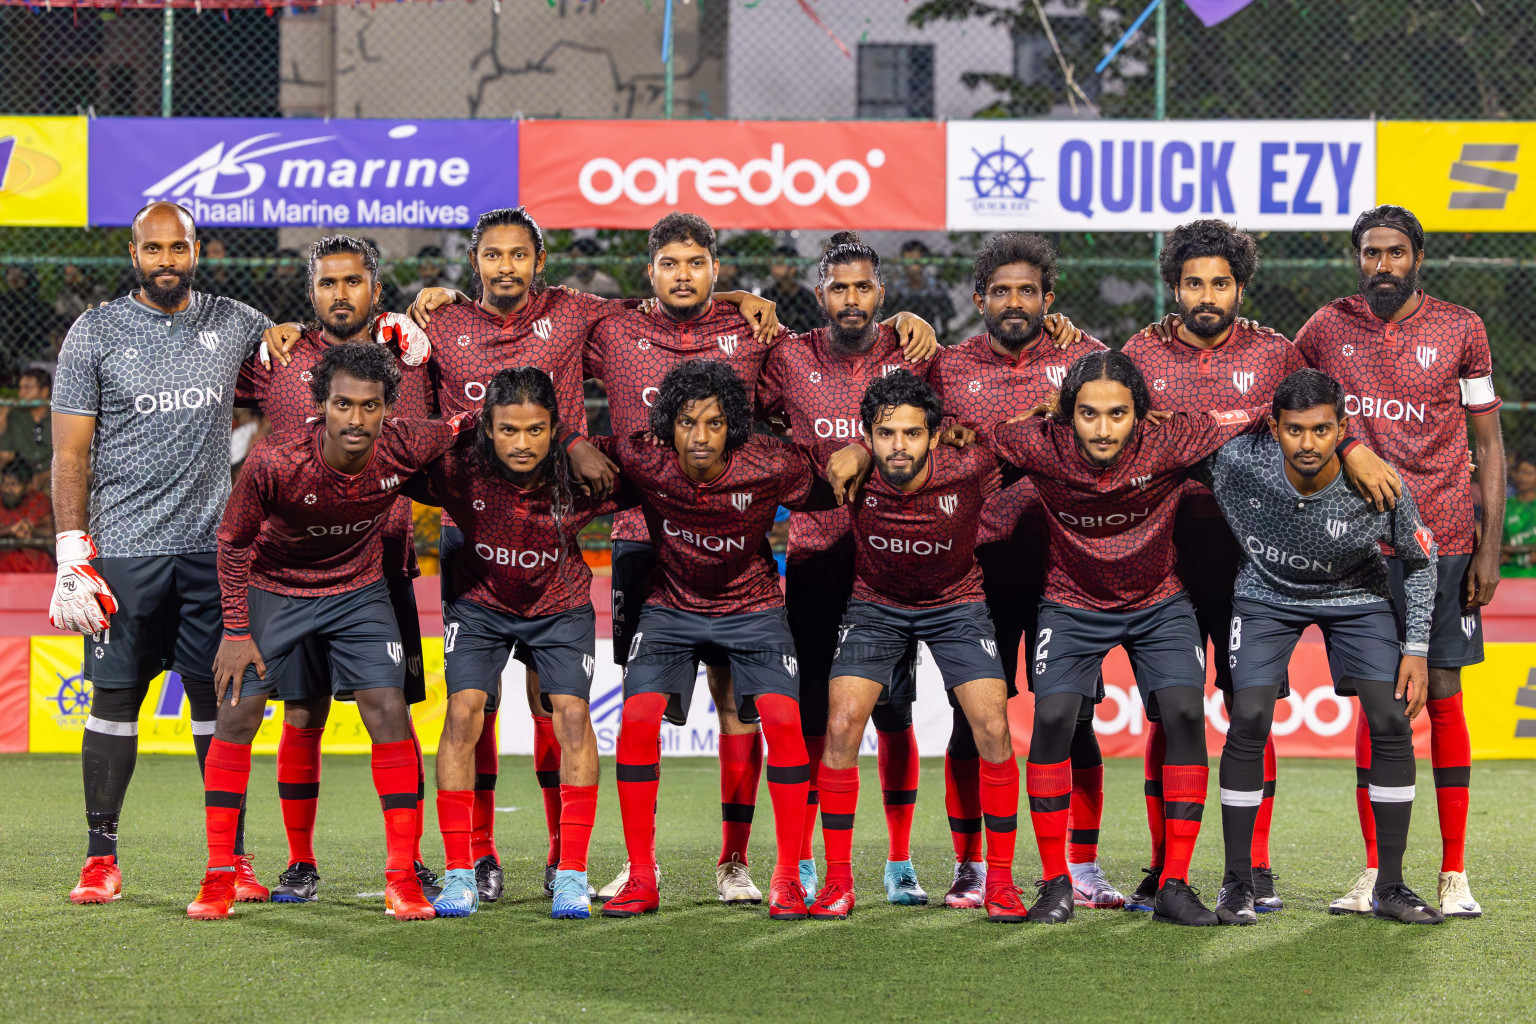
column 278, row 172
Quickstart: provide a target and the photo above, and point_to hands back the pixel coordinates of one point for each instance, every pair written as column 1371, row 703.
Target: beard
column 1386, row 301
column 165, row 297
column 1190, row 315
column 504, row 303
column 897, row 478
column 682, row 314
column 845, row 338
column 1015, row 330
column 346, row 330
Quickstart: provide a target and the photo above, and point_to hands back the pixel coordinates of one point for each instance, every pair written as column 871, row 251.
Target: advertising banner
column 1156, row 175
column 735, row 174
column 42, row 171
column 278, row 172
column 1459, row 175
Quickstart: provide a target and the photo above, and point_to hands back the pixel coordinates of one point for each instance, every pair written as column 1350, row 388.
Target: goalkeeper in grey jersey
column 1313, row 556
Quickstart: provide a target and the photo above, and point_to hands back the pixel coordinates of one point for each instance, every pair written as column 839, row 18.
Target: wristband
column 73, row 546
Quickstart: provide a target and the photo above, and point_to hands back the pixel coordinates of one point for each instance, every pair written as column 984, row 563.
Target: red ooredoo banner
column 735, row 174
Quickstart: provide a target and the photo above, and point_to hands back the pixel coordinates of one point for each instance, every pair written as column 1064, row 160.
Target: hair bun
column 843, row 238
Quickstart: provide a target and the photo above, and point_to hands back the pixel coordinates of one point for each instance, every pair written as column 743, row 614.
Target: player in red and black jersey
column 1416, row 371
column 520, row 582
column 916, row 579
column 1205, row 357
column 300, row 556
column 344, row 292
column 709, row 499
column 1004, row 372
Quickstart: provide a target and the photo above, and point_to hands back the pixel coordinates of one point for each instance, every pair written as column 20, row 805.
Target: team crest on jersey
column 1426, row 355
column 1055, row 374
column 464, row 341
column 1348, row 350
column 1159, row 384
column 644, row 344
column 479, row 504
column 1142, row 481
column 209, row 340
column 542, row 328
column 869, row 501
column 310, row 499
column 815, row 377
column 990, row 646
column 1468, row 626
column 741, row 500
column 1242, row 380
column 727, row 343
column 396, row 651
column 306, row 376
column 791, row 665
column 974, row 387
column 389, row 481
column 130, row 353
column 948, row 503
column 1337, row 528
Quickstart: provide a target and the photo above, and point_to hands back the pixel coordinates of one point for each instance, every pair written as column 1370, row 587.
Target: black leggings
column 1183, row 718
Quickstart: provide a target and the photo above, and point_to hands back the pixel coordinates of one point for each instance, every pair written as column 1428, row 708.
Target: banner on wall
column 736, row 174
column 281, row 172
column 1156, row 175
column 1460, row 175
column 42, row 171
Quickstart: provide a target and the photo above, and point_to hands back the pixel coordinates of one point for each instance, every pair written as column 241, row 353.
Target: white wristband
column 74, row 546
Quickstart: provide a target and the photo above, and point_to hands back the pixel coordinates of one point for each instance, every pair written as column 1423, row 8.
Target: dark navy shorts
column 875, row 637
column 1362, row 642
column 665, row 651
column 1163, row 642
column 816, row 602
column 633, row 563
column 1455, row 634
column 356, row 632
column 478, row 640
column 169, row 618
column 312, row 664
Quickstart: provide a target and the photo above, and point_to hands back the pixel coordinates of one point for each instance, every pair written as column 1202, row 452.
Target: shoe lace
column 1365, row 882
column 570, row 888
column 1400, row 893
column 95, row 873
column 295, row 875
column 424, row 874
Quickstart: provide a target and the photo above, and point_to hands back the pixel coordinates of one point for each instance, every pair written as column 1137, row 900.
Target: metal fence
column 776, row 59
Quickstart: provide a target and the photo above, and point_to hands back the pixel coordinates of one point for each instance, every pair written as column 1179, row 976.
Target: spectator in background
column 1519, row 549
column 283, row 297
column 729, row 278
column 26, row 446
column 78, row 293
column 389, row 292
column 219, row 278
column 25, row 315
column 587, row 278
column 920, row 292
column 429, row 274
column 796, row 304
column 24, row 516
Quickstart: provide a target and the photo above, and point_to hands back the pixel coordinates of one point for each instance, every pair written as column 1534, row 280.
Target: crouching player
column 520, row 583
column 916, row 578
column 1312, row 556
column 709, row 498
column 300, row 556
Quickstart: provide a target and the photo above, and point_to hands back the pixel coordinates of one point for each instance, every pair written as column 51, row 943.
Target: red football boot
column 786, row 900
column 214, row 897
column 633, row 899
column 1004, row 905
column 404, row 900
column 833, row 903
column 100, row 881
column 248, row 889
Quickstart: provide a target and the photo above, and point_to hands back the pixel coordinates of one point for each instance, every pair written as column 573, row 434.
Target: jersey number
column 1235, row 635
column 450, row 634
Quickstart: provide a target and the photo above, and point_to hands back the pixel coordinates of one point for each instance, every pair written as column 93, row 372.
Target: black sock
column 108, row 753
column 1242, row 774
column 1392, row 774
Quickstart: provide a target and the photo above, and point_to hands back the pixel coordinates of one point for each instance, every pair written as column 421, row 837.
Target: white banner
column 1156, row 175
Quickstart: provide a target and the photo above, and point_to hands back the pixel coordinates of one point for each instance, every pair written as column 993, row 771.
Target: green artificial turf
column 342, row 959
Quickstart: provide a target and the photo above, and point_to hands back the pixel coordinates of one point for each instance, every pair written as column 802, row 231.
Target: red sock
column 578, row 809
column 1050, row 789
column 789, row 777
column 1261, row 823
column 226, row 774
column 1084, row 814
column 962, row 800
column 898, row 765
column 546, row 767
column 1362, row 787
column 638, row 772
column 394, row 776
column 421, row 795
column 741, row 769
column 455, row 812
column 1000, row 810
column 1450, row 755
column 839, row 799
column 1152, row 773
column 1184, row 787
column 482, row 835
column 298, row 788
column 814, row 746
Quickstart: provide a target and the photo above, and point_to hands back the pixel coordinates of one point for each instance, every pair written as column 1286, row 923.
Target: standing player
column 916, row 578
column 709, row 499
column 1415, row 371
column 142, row 409
column 520, row 582
column 631, row 354
column 1011, row 368
column 1313, row 556
column 1201, row 359
column 300, row 557
column 344, row 293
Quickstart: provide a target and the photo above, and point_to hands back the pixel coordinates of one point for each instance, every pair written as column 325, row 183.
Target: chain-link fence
column 776, row 59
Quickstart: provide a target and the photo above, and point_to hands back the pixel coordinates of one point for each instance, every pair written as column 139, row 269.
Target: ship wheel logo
column 1001, row 176
column 74, row 696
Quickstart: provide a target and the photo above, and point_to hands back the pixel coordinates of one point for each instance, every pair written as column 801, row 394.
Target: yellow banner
column 42, row 171
column 1500, row 699
column 61, row 700
column 1460, row 175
